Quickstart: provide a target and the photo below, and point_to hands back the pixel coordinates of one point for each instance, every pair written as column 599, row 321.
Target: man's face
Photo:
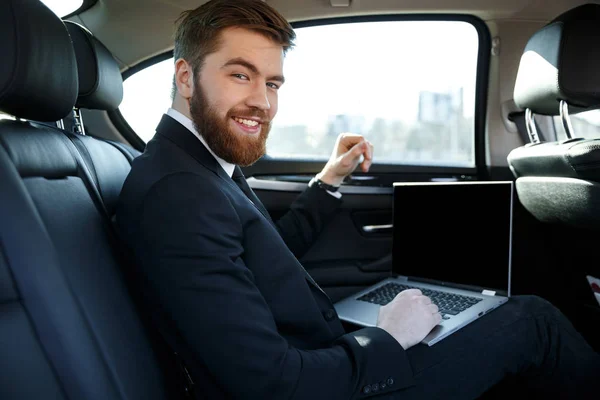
column 235, row 96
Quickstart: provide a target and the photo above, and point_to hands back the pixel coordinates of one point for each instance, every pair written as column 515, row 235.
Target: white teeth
column 247, row 122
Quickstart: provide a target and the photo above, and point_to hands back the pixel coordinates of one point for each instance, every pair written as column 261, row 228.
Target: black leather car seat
column 559, row 73
column 68, row 327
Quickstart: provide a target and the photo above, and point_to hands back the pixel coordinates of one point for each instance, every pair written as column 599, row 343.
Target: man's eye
column 241, row 76
column 273, row 85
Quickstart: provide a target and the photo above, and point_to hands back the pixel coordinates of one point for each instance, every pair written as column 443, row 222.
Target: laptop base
column 363, row 313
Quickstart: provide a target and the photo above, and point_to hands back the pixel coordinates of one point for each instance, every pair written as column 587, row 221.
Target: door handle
column 378, row 228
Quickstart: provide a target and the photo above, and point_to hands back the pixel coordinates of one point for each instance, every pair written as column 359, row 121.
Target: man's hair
column 198, row 31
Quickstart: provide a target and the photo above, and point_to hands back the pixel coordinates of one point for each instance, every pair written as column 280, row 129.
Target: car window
column 585, row 124
column 63, row 7
column 146, row 96
column 408, row 86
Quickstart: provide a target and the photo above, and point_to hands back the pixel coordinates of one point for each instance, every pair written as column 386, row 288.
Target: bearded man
column 223, row 282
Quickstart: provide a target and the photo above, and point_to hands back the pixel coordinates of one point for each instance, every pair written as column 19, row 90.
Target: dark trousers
column 526, row 341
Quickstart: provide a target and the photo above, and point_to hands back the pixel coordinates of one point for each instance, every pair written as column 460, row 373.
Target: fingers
column 364, row 148
column 435, row 313
column 433, row 308
column 358, row 149
column 368, row 156
column 424, row 300
column 351, row 147
column 351, row 157
column 408, row 292
column 348, row 140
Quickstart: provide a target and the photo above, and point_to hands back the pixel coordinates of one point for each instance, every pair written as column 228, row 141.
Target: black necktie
column 240, row 180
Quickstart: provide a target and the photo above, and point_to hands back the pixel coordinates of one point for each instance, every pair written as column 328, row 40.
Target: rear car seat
column 108, row 163
column 100, row 88
column 68, row 327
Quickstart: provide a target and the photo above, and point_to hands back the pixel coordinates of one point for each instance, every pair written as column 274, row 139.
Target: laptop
column 451, row 240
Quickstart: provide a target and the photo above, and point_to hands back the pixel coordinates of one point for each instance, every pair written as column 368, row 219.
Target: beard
column 235, row 148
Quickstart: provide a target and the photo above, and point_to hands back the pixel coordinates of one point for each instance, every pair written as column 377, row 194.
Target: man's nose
column 258, row 98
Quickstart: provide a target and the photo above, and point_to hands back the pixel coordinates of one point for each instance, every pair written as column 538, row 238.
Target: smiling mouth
column 247, row 125
column 248, row 122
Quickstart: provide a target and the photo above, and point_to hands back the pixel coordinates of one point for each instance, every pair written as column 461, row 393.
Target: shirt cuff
column 337, row 195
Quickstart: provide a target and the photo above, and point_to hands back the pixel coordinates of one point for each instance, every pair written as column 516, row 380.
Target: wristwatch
column 319, row 183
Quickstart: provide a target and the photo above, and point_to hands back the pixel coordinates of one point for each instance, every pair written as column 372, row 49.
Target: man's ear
column 184, row 78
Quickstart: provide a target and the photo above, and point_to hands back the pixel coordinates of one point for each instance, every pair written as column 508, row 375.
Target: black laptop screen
column 458, row 232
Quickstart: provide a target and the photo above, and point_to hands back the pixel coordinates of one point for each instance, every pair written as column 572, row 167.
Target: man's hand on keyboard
column 409, row 317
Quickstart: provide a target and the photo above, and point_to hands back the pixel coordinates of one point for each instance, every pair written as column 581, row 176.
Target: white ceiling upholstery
column 135, row 30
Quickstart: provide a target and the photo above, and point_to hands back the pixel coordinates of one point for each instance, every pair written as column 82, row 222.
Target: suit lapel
column 183, row 138
column 240, row 181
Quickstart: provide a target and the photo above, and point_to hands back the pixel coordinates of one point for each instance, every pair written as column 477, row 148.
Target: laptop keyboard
column 448, row 303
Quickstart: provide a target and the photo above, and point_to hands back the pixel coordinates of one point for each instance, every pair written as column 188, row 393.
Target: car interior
column 446, row 91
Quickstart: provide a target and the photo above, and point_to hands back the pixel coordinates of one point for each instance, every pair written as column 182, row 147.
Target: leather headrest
column 38, row 72
column 562, row 62
column 100, row 80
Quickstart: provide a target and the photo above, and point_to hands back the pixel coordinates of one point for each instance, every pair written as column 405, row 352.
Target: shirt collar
column 185, row 121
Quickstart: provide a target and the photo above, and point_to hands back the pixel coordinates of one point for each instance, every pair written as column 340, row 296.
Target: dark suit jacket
column 248, row 321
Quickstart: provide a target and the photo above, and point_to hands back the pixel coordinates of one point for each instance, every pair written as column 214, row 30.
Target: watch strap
column 319, row 183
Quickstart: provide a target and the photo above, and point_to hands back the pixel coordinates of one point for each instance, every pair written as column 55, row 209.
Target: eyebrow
column 247, row 64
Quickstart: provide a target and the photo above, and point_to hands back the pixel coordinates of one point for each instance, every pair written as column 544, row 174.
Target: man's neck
column 182, row 106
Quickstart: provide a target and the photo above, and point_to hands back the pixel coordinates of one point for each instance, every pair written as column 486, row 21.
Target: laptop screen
column 454, row 232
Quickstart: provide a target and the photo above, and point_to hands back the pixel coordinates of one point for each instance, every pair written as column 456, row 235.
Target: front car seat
column 559, row 73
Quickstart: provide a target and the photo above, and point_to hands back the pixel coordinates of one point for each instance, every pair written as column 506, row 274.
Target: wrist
column 322, row 185
column 329, row 179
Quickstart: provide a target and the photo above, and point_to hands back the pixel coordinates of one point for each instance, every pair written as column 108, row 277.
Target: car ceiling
column 135, row 30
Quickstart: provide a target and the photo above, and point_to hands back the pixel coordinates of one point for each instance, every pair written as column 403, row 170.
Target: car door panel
column 344, row 258
column 354, row 249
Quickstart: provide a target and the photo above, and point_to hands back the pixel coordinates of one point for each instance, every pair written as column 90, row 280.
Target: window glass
column 62, row 7
column 408, row 86
column 146, row 97
column 585, row 124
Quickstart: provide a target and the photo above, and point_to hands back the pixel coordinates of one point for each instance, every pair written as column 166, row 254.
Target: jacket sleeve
column 190, row 247
column 305, row 220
